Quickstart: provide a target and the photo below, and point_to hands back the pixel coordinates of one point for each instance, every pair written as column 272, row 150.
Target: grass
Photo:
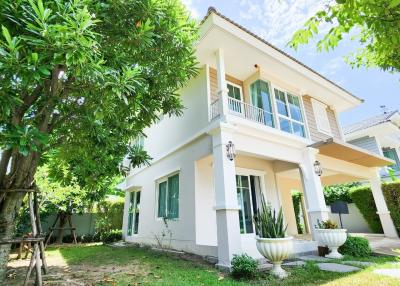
column 145, row 267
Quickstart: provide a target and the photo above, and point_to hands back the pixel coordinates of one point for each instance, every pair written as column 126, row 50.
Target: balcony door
column 249, row 197
column 235, row 97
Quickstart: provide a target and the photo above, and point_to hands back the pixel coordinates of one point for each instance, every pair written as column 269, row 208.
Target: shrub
column 362, row 197
column 243, row 266
column 111, row 236
column 356, row 246
column 391, row 192
column 296, row 198
column 109, row 216
column 339, row 193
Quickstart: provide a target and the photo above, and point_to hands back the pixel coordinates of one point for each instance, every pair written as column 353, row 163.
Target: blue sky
column 276, row 20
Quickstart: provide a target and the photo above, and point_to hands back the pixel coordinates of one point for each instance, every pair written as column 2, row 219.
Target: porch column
column 222, row 87
column 227, row 209
column 313, row 190
column 384, row 214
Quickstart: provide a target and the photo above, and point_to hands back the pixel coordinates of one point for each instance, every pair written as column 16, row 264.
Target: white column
column 313, row 191
column 227, row 210
column 384, row 215
column 222, row 87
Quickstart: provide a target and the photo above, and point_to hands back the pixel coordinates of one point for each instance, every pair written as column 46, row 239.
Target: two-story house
column 379, row 134
column 257, row 123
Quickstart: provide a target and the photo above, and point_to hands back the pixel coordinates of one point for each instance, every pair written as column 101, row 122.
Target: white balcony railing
column 214, row 109
column 242, row 109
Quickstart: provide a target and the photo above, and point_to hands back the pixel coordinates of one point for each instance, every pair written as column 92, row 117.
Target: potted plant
column 330, row 235
column 271, row 238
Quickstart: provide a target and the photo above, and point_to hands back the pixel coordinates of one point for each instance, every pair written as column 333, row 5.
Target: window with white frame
column 168, row 197
column 133, row 213
column 235, row 92
column 321, row 116
column 289, row 113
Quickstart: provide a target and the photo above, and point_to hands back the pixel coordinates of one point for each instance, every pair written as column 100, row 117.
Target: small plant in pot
column 330, row 235
column 272, row 242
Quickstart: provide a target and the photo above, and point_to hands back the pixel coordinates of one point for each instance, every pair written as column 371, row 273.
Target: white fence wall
column 84, row 223
column 354, row 221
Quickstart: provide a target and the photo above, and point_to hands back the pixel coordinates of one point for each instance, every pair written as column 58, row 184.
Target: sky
column 277, row 20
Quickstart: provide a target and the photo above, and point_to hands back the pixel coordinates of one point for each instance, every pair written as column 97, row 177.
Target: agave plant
column 267, row 223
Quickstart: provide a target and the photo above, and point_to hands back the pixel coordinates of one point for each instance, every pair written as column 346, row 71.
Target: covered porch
column 273, row 170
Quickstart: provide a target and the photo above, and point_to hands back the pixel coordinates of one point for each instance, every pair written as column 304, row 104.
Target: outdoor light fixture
column 230, row 151
column 317, row 168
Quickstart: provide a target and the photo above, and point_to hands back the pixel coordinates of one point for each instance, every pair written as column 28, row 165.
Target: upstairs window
column 260, row 97
column 235, row 92
column 290, row 116
column 168, row 197
column 391, row 153
column 321, row 117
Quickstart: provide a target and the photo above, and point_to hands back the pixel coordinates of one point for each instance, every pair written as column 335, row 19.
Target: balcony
column 244, row 110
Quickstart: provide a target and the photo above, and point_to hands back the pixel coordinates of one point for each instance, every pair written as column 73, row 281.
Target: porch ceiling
column 350, row 153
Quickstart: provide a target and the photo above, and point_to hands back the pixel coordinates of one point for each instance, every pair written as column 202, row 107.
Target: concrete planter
column 333, row 238
column 276, row 250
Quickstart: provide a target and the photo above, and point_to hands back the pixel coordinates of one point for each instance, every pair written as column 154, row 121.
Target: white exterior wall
column 184, row 228
column 174, row 131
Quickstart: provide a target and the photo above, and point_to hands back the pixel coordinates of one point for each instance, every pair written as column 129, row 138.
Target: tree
column 374, row 23
column 79, row 80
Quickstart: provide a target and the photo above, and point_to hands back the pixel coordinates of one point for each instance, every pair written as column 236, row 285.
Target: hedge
column 391, row 192
column 110, row 215
column 362, row 197
column 339, row 192
column 296, row 198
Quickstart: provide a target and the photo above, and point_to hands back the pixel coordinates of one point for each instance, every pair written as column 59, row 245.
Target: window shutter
column 321, row 117
column 162, row 197
column 173, row 196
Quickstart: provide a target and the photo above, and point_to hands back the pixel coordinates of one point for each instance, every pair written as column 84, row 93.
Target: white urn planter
column 276, row 250
column 333, row 239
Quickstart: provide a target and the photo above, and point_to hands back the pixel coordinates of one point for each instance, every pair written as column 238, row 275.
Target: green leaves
column 375, row 25
column 394, row 3
column 267, row 223
column 24, row 138
column 123, row 63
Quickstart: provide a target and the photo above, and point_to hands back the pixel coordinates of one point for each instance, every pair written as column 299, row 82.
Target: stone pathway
column 313, row 258
column 359, row 263
column 294, row 263
column 391, row 272
column 335, row 267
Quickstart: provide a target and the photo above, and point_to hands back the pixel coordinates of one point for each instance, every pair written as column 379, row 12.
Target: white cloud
column 330, row 69
column 189, row 5
column 277, row 20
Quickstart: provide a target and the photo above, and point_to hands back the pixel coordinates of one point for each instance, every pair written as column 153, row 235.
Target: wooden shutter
column 321, row 117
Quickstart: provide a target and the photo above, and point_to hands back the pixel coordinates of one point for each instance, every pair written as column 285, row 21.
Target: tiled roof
column 213, row 10
column 369, row 122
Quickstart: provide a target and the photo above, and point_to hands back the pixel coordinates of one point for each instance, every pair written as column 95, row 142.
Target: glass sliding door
column 248, row 194
column 260, row 97
column 133, row 213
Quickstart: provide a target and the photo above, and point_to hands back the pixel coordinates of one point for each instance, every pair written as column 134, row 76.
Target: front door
column 249, row 195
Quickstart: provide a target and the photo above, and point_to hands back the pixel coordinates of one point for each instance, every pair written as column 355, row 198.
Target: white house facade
column 281, row 118
column 379, row 134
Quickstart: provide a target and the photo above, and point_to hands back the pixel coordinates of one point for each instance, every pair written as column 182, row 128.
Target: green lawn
column 139, row 266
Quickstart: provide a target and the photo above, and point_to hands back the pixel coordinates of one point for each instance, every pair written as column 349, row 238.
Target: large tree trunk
column 62, row 223
column 22, row 170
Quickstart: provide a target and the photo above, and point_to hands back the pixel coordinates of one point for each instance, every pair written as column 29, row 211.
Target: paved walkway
column 381, row 244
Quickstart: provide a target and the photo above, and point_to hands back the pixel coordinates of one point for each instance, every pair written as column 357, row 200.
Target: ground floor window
column 133, row 213
column 168, row 197
column 248, row 194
